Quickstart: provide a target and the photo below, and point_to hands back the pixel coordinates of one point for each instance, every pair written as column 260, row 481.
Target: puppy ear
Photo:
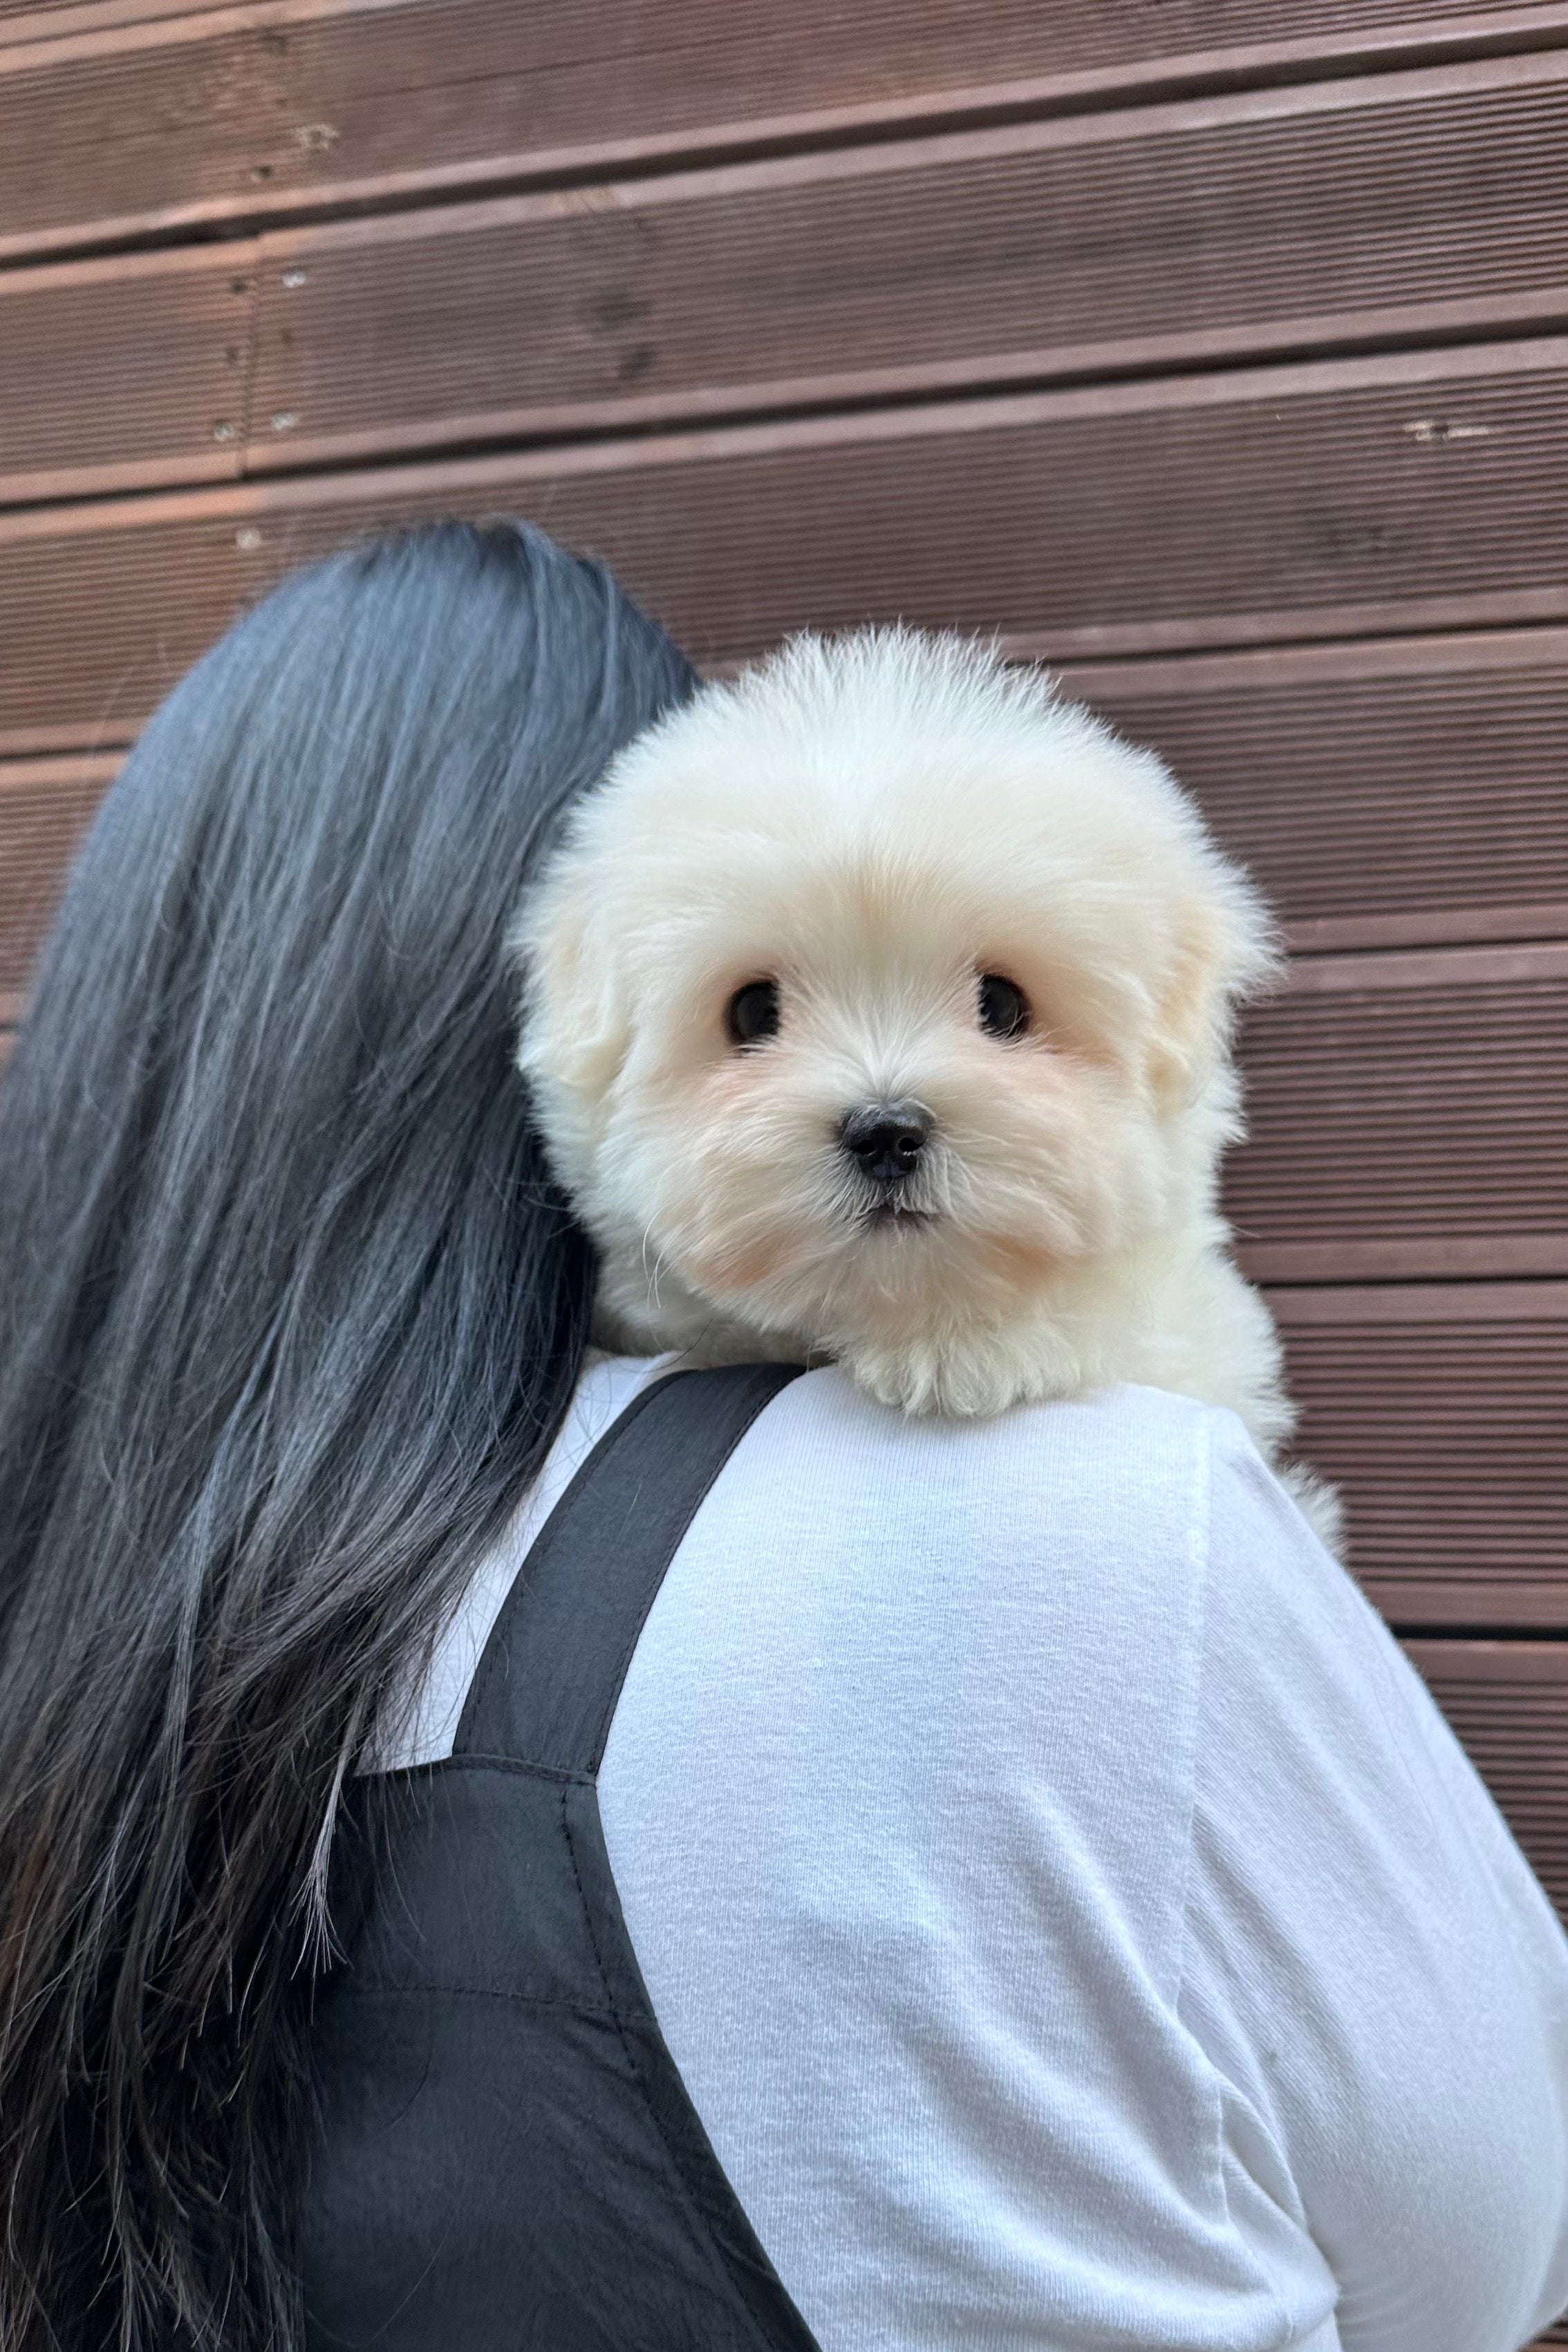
column 575, row 1021
column 1223, row 952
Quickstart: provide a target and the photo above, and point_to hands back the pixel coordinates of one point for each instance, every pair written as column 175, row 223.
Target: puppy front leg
column 968, row 1373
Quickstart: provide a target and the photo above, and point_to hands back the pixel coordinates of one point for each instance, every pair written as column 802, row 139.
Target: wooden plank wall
column 1215, row 351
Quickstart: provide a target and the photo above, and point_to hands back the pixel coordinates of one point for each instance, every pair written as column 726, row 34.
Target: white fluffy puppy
column 878, row 1005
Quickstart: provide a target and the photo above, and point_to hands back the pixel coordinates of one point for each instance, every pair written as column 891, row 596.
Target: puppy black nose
column 886, row 1139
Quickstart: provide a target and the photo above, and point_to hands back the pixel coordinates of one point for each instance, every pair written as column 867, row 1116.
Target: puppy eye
column 753, row 1012
column 1004, row 1007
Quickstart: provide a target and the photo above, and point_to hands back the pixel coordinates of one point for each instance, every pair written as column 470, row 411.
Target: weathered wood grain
column 1145, row 241
column 1271, row 505
column 1441, row 1410
column 1509, row 1703
column 1401, row 792
column 125, row 374
column 135, row 125
column 1407, row 1116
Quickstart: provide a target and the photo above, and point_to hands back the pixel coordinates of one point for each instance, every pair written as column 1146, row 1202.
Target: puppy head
column 875, row 989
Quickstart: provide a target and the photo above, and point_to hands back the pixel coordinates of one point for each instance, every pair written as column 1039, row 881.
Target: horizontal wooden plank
column 1441, row 1410
column 1159, row 238
column 46, row 807
column 127, row 374
column 251, row 112
column 1163, row 237
column 1417, row 969
column 1402, row 792
column 1250, row 224
column 155, row 124
column 1391, row 793
column 54, row 20
column 1407, row 1115
column 1267, row 505
column 1508, row 1702
column 1420, row 1304
column 1427, row 1256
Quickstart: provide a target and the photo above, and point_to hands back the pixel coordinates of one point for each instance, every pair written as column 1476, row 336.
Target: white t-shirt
column 1073, row 1922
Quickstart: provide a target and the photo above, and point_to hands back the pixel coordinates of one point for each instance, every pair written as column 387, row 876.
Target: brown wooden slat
column 255, row 110
column 1270, row 504
column 1407, row 1115
column 158, row 124
column 1166, row 236
column 1441, row 1412
column 1158, row 238
column 1407, row 1110
column 46, row 807
column 10, row 1013
column 1396, row 792
column 1508, row 1702
column 1391, row 793
column 1403, row 791
column 53, row 20
column 124, row 374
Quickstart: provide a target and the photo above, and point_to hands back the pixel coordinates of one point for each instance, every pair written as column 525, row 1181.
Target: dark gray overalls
column 507, row 2156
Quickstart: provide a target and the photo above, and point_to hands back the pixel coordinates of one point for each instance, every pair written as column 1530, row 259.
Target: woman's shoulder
column 1151, row 1508
column 988, row 1594
column 946, row 1676
column 1123, row 1473
column 1101, row 1578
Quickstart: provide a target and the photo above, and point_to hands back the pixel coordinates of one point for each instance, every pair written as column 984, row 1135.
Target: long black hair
column 289, row 1315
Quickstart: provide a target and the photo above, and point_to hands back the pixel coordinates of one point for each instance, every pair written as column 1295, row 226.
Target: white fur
column 874, row 821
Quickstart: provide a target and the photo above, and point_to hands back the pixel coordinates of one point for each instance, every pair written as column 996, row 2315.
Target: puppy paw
column 968, row 1378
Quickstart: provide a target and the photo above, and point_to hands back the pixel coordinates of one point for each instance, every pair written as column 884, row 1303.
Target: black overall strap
column 551, row 1673
column 506, row 2157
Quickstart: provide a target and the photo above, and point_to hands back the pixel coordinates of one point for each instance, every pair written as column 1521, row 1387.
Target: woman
column 1067, row 1920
